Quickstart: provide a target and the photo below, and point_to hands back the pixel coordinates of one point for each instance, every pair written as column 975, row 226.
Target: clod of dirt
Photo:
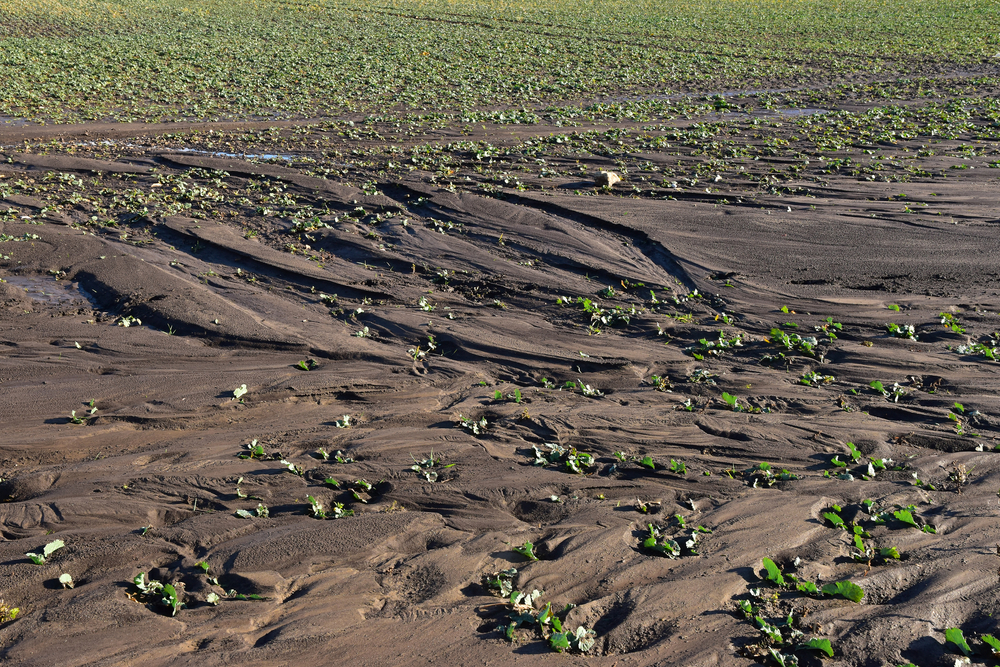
column 606, row 179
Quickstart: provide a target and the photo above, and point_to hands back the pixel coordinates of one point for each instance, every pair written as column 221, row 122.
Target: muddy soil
column 418, row 320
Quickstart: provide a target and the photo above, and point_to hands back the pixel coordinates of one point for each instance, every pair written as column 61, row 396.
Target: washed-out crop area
column 325, row 338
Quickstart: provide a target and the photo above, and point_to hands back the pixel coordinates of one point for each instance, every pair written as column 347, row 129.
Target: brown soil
column 401, row 581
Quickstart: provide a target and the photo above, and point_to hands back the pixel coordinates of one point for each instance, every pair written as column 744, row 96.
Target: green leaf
column 844, row 589
column 807, row 587
column 527, row 550
column 52, row 547
column 906, row 517
column 957, row 637
column 994, row 644
column 774, row 573
column 834, row 519
column 559, row 642
column 647, row 462
column 819, row 645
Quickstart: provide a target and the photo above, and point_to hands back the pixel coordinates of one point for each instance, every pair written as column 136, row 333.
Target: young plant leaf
column 774, row 573
column 819, row 644
column 957, row 637
column 993, row 643
column 844, row 589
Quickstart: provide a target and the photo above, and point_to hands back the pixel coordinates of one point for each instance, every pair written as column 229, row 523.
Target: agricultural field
column 321, row 341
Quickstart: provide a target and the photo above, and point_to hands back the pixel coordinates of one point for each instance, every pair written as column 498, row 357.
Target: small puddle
column 8, row 121
column 52, row 292
column 253, row 156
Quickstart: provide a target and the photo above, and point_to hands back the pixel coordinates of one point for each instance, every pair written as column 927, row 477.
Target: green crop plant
column 429, row 467
column 527, row 550
column 7, row 613
column 907, row 331
column 47, row 550
column 552, row 453
column 473, row 426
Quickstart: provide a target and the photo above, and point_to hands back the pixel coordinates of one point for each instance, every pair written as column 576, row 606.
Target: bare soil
column 149, row 483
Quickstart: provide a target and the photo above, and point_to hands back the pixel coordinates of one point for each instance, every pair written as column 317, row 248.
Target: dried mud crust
column 411, row 331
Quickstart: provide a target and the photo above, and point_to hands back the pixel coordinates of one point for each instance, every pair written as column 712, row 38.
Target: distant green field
column 187, row 59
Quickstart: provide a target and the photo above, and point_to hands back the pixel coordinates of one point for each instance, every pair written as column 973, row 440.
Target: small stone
column 606, row 179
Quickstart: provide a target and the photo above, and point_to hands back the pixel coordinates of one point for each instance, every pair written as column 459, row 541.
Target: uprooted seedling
column 552, row 453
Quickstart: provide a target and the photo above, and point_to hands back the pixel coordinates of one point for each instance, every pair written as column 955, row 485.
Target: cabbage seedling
column 661, row 544
column 8, row 613
column 171, row 599
column 307, row 365
column 957, row 637
column 66, row 580
column 239, row 393
column 500, row 583
column 151, row 588
column 587, row 390
column 292, row 468
column 678, row 467
column 340, row 458
column 316, row 508
column 774, row 574
column 575, row 461
column 256, row 451
column 527, row 550
column 844, row 589
column 213, row 599
column 993, row 643
column 343, row 423
column 47, row 550
column 424, row 467
column 129, row 321
column 474, row 427
column 907, row 331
